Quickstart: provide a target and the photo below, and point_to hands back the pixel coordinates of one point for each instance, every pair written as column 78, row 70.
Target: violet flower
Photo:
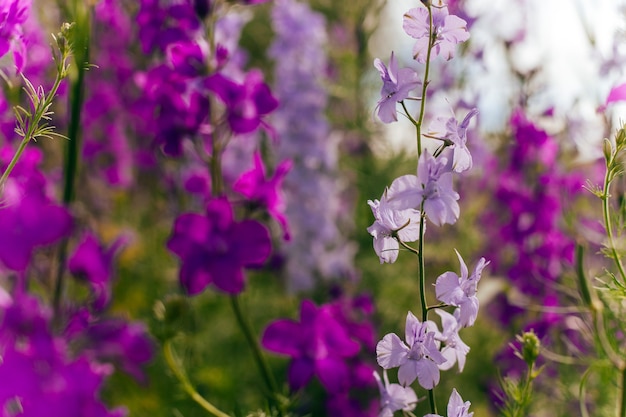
column 449, row 130
column 214, row 248
column 448, row 30
column 318, row 345
column 418, row 359
column 456, row 406
column 454, row 350
column 14, row 13
column 460, row 291
column 397, row 84
column 394, row 397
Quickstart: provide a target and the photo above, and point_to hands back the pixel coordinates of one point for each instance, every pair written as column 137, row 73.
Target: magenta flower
column 319, row 345
column 460, row 291
column 255, row 186
column 449, row 30
column 456, row 406
column 13, row 13
column 246, row 103
column 397, row 84
column 214, row 248
column 419, row 360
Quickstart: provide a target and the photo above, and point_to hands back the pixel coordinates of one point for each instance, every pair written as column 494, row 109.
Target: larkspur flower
column 454, row 350
column 13, row 14
column 420, row 359
column 448, row 30
column 397, row 84
column 214, row 248
column 394, row 397
column 432, row 186
column 319, row 345
column 450, row 130
column 387, row 221
column 456, row 406
column 460, row 291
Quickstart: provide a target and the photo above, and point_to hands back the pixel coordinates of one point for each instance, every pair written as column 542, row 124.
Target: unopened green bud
column 607, row 149
column 170, row 313
column 530, row 347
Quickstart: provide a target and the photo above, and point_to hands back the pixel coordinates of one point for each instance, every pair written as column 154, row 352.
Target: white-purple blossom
column 387, row 221
column 460, row 291
column 397, row 84
column 432, row 185
column 456, row 406
column 449, row 129
column 394, row 397
column 418, row 358
column 454, row 350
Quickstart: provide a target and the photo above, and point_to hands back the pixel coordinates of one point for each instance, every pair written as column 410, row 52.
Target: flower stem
column 421, row 272
column 245, row 327
column 622, row 407
column 607, row 222
column 420, row 119
column 174, row 365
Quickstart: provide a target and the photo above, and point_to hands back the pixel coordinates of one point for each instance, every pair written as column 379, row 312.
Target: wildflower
column 394, row 397
column 13, row 14
column 319, row 345
column 432, row 186
column 448, row 30
column 420, row 359
column 449, row 130
column 456, row 406
column 254, row 186
column 214, row 248
column 461, row 291
column 454, row 350
column 397, row 84
column 404, row 223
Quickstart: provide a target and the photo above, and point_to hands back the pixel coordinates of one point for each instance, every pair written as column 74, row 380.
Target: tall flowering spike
column 214, row 248
column 255, row 186
column 394, row 397
column 460, row 291
column 418, row 358
column 456, row 406
column 454, row 350
column 387, row 221
column 397, row 84
column 449, row 130
column 448, row 31
column 319, row 345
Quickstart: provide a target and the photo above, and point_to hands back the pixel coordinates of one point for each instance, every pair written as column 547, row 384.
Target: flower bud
column 530, row 347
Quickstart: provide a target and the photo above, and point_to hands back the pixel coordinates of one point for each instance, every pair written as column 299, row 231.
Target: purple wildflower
column 394, row 397
column 420, row 359
column 448, row 30
column 449, row 130
column 454, row 350
column 214, row 248
column 14, row 13
column 319, row 345
column 456, row 406
column 460, row 291
column 397, row 84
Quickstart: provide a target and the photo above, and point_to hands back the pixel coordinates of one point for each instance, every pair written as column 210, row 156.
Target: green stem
column 431, row 399
column 173, row 363
column 256, row 352
column 607, row 223
column 622, row 407
column 420, row 119
column 421, row 271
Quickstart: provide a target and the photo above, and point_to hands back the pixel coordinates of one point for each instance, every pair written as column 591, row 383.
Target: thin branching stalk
column 606, row 214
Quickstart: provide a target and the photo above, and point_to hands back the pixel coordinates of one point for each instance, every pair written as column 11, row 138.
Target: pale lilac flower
column 397, row 84
column 419, row 360
column 449, row 30
column 461, row 291
column 449, row 130
column 394, row 397
column 454, row 350
column 432, row 185
column 405, row 223
column 456, row 406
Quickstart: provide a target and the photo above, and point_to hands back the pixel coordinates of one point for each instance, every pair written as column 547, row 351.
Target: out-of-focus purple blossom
column 214, row 248
column 387, row 221
column 246, row 103
column 460, row 291
column 449, row 130
column 454, row 350
column 45, row 380
column 456, row 406
column 267, row 192
column 13, row 14
column 432, row 186
column 418, row 359
column 318, row 248
column 394, row 397
column 448, row 30
column 94, row 263
column 397, row 84
column 318, row 344
column 28, row 217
